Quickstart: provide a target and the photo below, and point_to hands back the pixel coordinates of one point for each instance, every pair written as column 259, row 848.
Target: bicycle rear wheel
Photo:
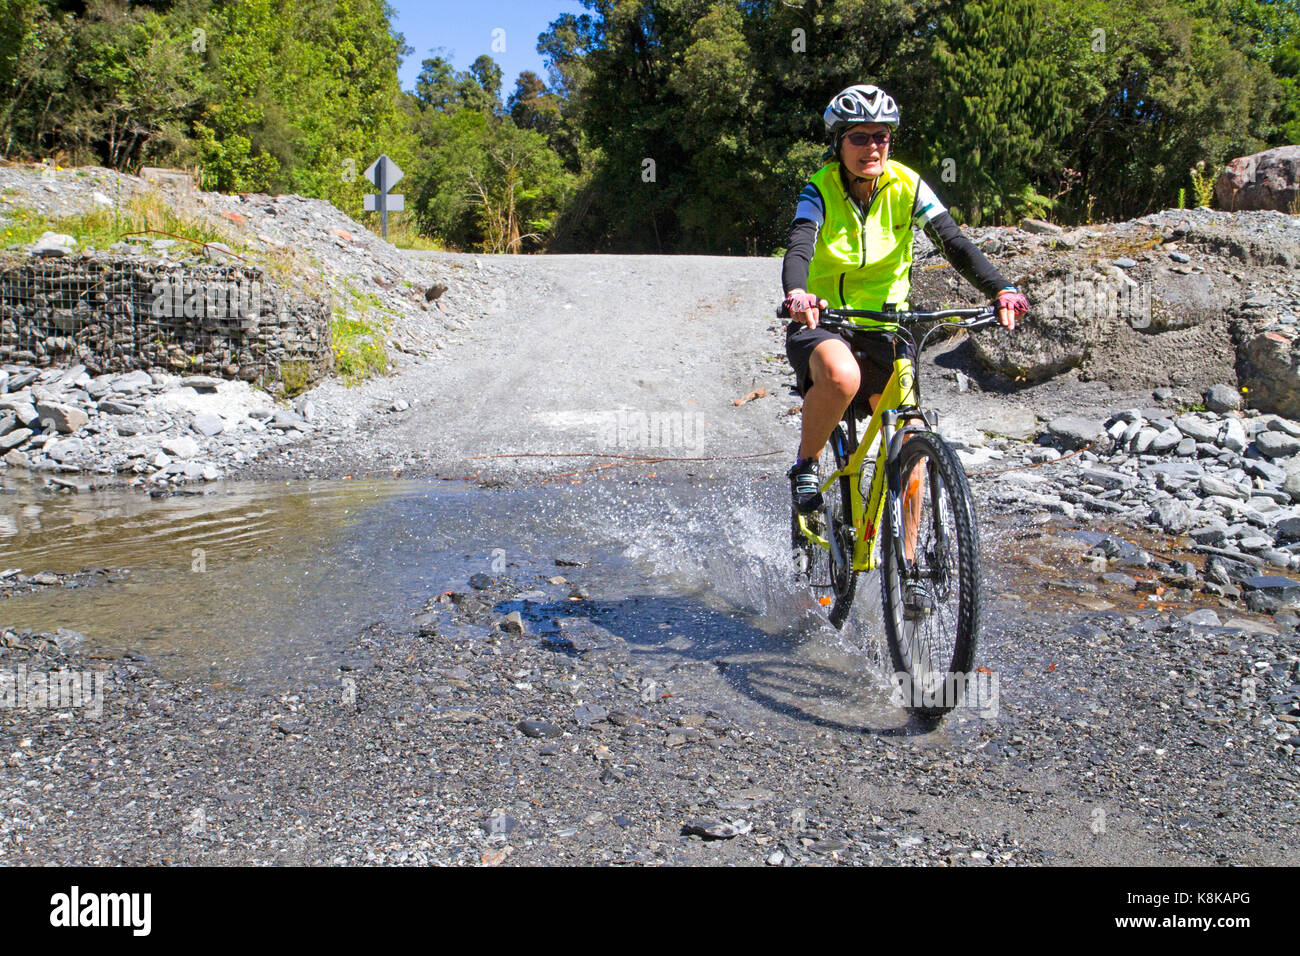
column 931, row 603
column 838, row 508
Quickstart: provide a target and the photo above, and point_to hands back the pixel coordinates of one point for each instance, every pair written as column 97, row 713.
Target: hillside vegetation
column 664, row 125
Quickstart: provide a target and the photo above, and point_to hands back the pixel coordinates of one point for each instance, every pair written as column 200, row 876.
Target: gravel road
column 691, row 713
column 633, row 355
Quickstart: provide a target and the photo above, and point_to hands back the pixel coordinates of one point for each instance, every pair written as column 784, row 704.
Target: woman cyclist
column 851, row 246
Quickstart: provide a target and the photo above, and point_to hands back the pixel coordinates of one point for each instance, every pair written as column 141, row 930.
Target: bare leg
column 835, row 377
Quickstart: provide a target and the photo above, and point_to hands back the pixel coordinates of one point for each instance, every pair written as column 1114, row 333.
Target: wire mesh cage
column 118, row 313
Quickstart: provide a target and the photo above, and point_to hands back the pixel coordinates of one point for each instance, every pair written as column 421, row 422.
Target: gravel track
column 1122, row 737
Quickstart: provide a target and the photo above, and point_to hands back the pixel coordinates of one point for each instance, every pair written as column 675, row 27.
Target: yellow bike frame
column 899, row 392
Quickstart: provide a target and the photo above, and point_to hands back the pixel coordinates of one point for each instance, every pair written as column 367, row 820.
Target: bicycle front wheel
column 931, row 593
column 838, row 506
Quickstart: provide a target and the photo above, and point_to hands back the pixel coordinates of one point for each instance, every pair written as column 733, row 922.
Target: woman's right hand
column 804, row 307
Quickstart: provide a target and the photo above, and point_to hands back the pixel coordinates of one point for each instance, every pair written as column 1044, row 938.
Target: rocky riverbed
column 666, row 695
column 524, row 718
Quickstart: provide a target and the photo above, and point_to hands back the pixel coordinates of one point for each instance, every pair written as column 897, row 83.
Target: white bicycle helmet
column 860, row 103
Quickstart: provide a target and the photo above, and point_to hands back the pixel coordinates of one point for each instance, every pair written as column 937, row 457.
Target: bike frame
column 897, row 415
column 898, row 403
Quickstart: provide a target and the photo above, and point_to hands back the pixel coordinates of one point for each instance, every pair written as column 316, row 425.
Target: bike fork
column 894, row 491
column 837, row 554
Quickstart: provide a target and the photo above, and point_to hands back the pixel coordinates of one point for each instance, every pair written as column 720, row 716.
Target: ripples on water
column 273, row 579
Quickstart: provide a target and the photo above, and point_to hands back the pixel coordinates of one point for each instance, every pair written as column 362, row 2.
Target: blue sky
column 465, row 30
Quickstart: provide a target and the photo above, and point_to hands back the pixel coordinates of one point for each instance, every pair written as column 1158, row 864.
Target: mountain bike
column 898, row 500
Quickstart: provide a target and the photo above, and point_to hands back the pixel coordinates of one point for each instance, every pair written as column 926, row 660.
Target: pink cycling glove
column 1011, row 299
column 800, row 302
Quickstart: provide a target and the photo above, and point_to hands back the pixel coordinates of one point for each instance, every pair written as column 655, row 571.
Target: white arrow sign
column 384, row 173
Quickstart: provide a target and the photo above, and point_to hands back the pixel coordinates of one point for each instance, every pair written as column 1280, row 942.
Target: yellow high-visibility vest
column 865, row 263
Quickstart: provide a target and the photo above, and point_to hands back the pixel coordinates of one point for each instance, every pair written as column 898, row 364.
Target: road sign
column 384, row 173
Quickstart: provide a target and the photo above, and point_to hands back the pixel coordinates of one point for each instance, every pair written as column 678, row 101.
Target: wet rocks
column 539, row 728
column 1230, row 484
column 137, row 426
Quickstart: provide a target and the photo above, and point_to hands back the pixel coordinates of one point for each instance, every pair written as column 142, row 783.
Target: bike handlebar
column 973, row 318
column 980, row 315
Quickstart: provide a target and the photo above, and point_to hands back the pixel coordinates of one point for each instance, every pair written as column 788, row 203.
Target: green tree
column 1156, row 86
column 532, row 107
column 1001, row 102
column 308, row 93
column 480, row 182
column 1268, row 32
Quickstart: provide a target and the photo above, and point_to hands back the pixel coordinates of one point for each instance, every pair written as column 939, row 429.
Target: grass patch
column 402, row 234
column 359, row 351
column 20, row 226
column 359, row 329
column 101, row 227
column 295, row 376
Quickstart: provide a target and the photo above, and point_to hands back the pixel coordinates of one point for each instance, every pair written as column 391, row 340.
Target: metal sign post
column 384, row 173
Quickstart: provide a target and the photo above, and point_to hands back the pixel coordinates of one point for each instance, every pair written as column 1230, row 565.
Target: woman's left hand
column 1010, row 304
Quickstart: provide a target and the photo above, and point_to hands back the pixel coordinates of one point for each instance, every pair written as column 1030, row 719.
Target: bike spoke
column 931, row 608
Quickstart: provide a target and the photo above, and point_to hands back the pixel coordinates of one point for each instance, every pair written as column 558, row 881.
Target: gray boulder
column 1267, row 470
column 132, row 381
column 63, row 418
column 1172, row 515
column 1166, row 440
column 14, row 438
column 206, row 423
column 1232, row 435
column 1193, row 427
column 180, row 447
column 52, row 245
column 1222, row 398
column 1107, row 478
column 1291, row 486
column 1273, row 444
column 65, row 449
column 1267, row 180
column 1213, row 485
column 1271, row 368
column 1276, row 423
column 1074, row 431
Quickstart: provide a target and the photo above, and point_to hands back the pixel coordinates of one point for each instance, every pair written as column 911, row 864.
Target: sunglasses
column 862, row 139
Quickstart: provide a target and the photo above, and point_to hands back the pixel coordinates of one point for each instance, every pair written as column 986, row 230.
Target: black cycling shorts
column 877, row 365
